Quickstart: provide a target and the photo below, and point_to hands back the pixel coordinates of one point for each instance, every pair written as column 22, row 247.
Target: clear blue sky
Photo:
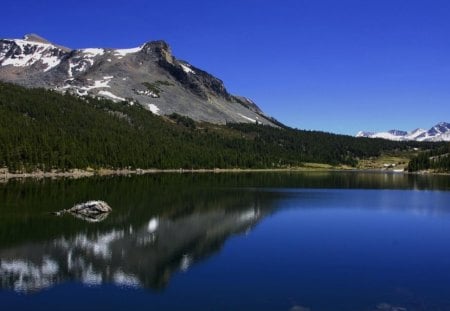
column 337, row 66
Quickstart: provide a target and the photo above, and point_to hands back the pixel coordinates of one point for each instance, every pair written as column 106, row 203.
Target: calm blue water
column 297, row 242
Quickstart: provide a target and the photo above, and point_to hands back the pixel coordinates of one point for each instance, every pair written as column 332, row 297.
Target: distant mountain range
column 439, row 132
column 149, row 75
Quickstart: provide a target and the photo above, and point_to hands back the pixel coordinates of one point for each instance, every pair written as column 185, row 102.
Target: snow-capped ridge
column 23, row 53
column 415, row 134
column 439, row 132
column 34, row 38
column 149, row 75
column 364, row 134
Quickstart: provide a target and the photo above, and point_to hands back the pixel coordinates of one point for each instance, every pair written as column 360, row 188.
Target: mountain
column 439, row 132
column 149, row 75
column 45, row 130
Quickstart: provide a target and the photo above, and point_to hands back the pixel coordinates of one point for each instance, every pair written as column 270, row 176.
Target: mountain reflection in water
column 334, row 240
column 133, row 252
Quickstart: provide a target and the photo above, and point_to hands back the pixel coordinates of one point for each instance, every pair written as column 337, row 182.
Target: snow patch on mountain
column 88, row 57
column 80, row 65
column 442, row 137
column 83, row 90
column 24, row 44
column 51, row 62
column 364, row 134
column 124, row 52
column 153, row 108
column 111, row 96
column 103, row 83
column 27, row 53
column 93, row 51
column 187, row 69
column 387, row 135
column 415, row 134
column 247, row 118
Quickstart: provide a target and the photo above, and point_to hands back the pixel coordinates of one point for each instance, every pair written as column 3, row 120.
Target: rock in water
column 90, row 208
column 91, row 218
column 92, row 211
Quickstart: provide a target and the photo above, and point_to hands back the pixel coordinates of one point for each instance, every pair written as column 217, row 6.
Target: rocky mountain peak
column 35, row 38
column 149, row 75
column 160, row 48
column 418, row 130
column 443, row 127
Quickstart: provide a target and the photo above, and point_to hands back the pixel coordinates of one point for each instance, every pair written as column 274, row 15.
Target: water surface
column 299, row 241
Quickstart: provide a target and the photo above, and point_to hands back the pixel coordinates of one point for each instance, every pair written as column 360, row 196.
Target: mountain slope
column 149, row 75
column 439, row 132
column 43, row 129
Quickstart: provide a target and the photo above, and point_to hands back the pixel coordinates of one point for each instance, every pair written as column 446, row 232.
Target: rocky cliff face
column 148, row 75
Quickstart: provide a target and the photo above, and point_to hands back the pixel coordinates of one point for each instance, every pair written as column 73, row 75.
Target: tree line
column 45, row 130
column 437, row 159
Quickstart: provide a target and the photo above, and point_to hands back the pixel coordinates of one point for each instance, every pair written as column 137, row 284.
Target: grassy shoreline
column 5, row 175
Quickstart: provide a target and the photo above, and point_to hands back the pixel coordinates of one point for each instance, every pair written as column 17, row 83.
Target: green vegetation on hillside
column 155, row 87
column 437, row 160
column 41, row 129
column 186, row 121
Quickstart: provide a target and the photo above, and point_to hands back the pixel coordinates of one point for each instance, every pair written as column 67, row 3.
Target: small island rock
column 90, row 208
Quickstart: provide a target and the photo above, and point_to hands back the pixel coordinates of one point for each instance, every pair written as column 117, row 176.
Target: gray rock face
column 148, row 75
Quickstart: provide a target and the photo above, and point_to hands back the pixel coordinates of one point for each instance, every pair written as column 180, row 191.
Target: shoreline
column 77, row 173
column 5, row 176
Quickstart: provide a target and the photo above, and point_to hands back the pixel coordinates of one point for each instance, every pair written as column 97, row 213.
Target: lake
column 246, row 241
